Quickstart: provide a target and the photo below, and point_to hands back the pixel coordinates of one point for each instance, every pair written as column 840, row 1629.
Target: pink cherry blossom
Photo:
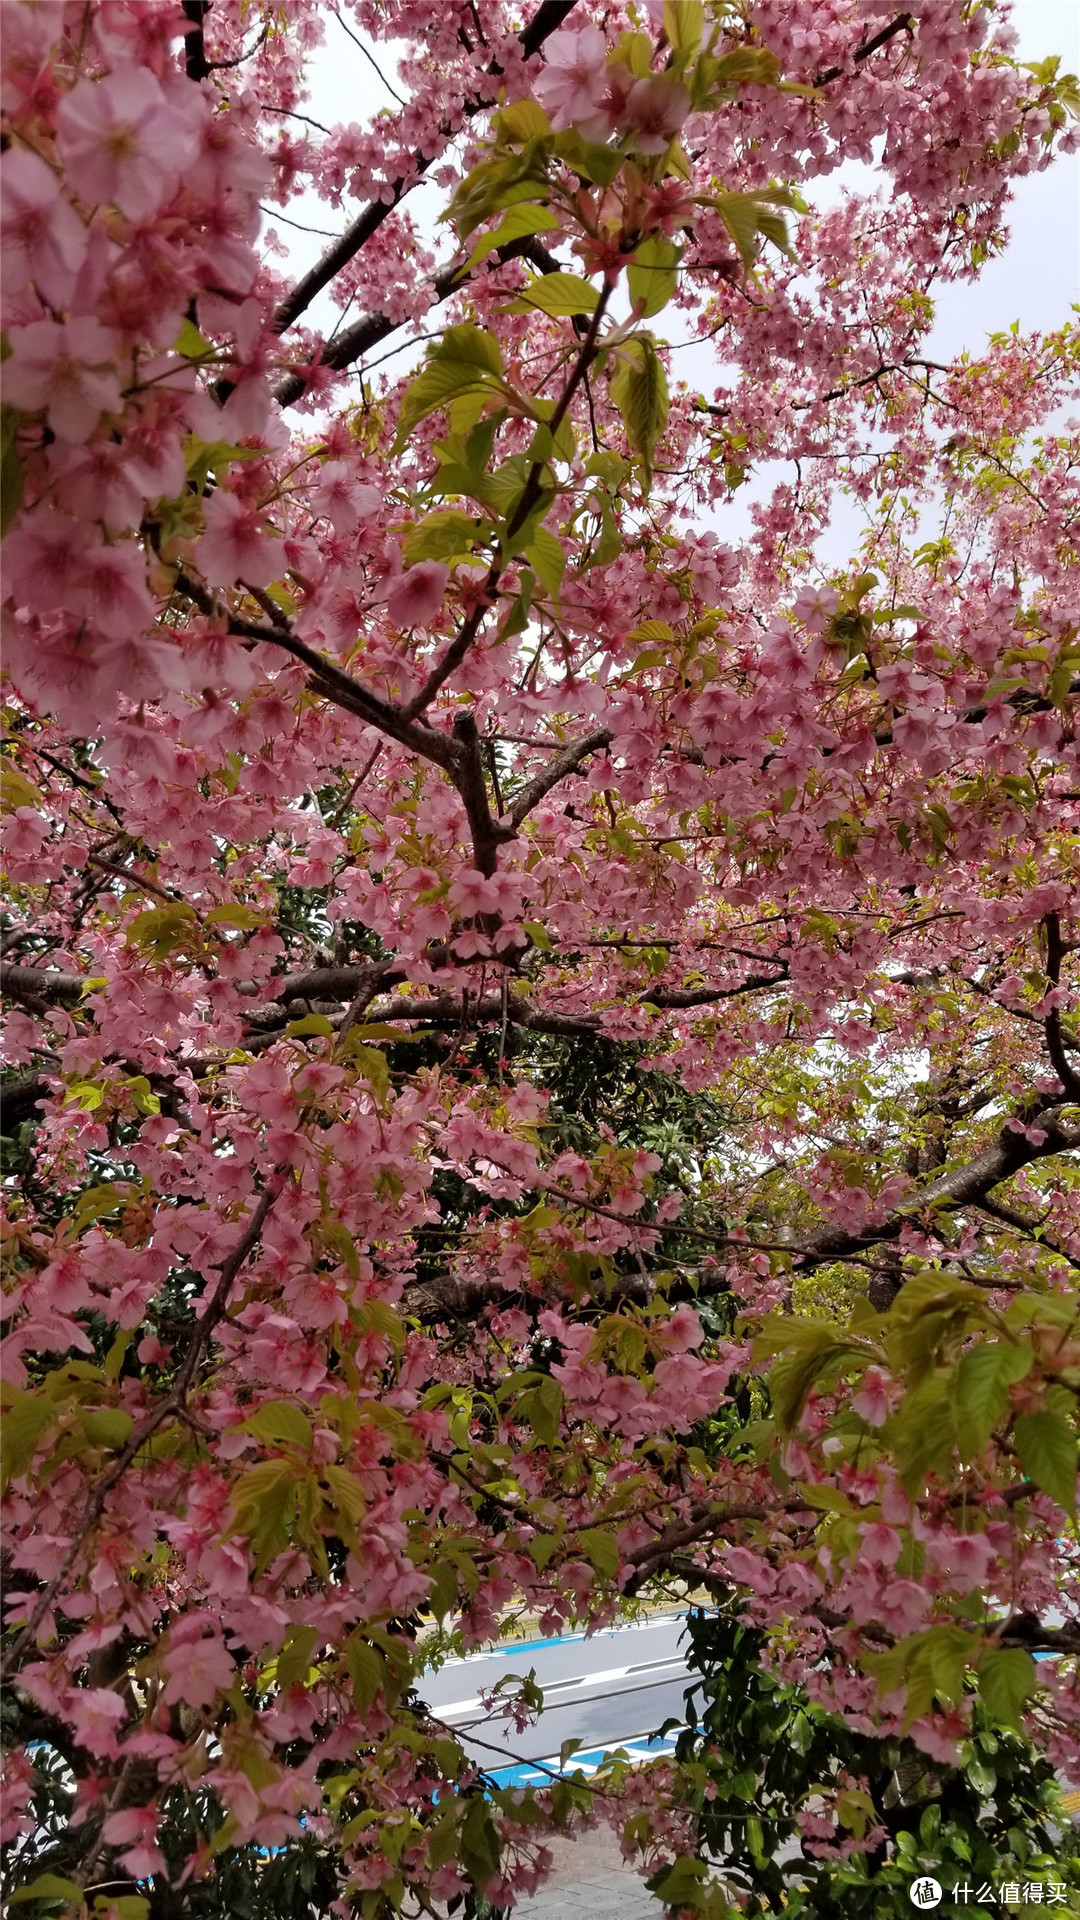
column 96, row 1715
column 418, row 596
column 109, row 590
column 200, row 1666
column 815, row 607
column 235, row 545
column 471, row 893
column 571, row 85
column 24, row 832
column 343, row 502
column 871, row 1402
column 134, row 1829
column 66, row 369
column 656, row 108
column 124, row 142
column 44, row 239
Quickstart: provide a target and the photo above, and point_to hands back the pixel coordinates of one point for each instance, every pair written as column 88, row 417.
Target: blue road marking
column 527, row 1774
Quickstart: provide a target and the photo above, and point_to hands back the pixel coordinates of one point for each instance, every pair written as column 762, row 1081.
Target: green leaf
column 145, row 1101
column 114, row 1359
column 26, row 1415
column 517, row 619
column 347, row 1493
column 107, row 1426
column 366, row 1671
column 640, row 391
column 441, row 536
column 158, row 931
column 601, row 1550
column 443, row 1595
column 1007, row 1675
column 983, row 1379
column 16, row 790
column 684, row 23
column 610, row 544
column 560, row 445
column 547, row 559
column 466, row 360
column 598, row 163
column 1046, row 1443
column 557, row 294
column 652, row 630
column 739, row 213
column 234, row 914
column 680, row 1884
column 88, row 1096
column 523, row 120
column 280, row 1420
column 542, row 1407
column 311, row 1024
column 516, row 224
column 294, row 1660
column 191, row 343
column 479, row 1843
column 47, row 1886
column 371, row 1062
column 473, row 346
column 653, row 273
column 745, row 215
column 11, row 486
column 264, row 1500
column 95, row 1203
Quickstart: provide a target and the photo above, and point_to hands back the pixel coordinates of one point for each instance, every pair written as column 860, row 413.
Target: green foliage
column 466, row 360
column 640, row 391
column 758, row 1750
column 558, row 294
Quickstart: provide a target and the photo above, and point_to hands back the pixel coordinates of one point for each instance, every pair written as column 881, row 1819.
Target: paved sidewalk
column 590, row 1882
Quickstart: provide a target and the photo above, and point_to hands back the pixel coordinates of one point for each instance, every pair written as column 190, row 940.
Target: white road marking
column 676, row 1665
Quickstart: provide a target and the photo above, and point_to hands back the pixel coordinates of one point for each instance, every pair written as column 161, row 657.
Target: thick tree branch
column 196, row 64
column 567, row 762
column 1055, row 1039
column 487, row 832
column 329, row 680
column 39, row 988
column 966, row 1185
column 353, row 342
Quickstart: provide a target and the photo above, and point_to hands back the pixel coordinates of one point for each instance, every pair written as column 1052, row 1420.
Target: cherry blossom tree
column 542, row 1055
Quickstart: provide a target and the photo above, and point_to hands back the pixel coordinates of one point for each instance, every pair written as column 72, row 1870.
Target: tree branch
column 196, row 64
column 353, row 342
column 329, row 680
column 530, row 497
column 549, row 16
column 902, row 24
column 1055, row 1040
column 966, row 1185
column 530, row 795
column 38, row 987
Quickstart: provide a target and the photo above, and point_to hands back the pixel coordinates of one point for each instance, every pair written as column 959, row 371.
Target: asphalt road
column 611, row 1690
